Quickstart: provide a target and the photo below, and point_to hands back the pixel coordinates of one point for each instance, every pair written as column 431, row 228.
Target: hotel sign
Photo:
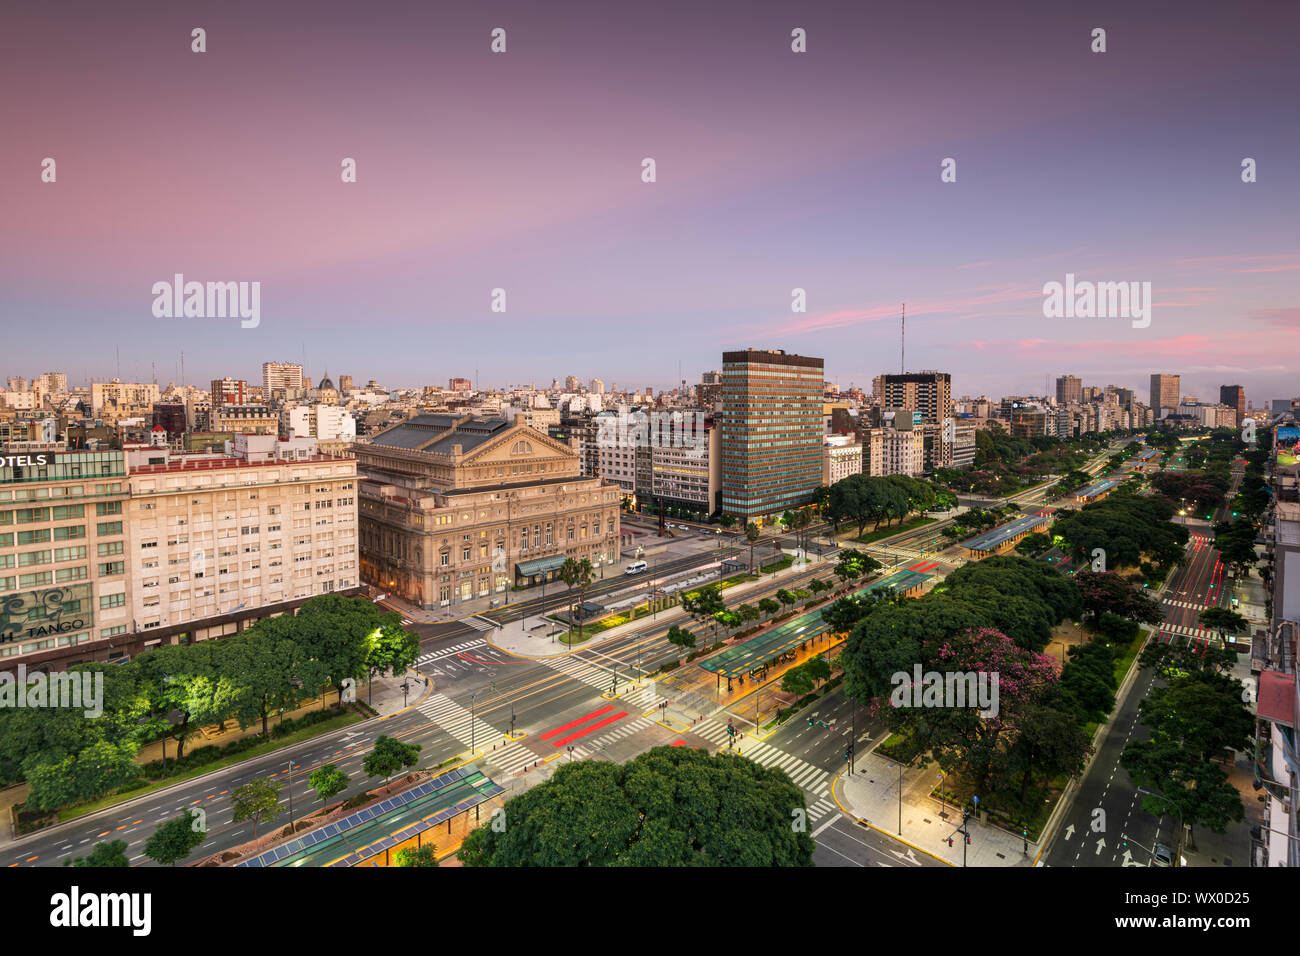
column 29, row 615
column 23, row 461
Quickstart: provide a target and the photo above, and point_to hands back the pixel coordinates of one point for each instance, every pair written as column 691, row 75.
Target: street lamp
column 1178, row 848
column 291, row 796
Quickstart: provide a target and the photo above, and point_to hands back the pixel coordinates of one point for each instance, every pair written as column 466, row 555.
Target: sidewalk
column 871, row 794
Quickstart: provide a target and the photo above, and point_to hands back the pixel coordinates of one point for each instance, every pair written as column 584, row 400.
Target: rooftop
column 991, row 539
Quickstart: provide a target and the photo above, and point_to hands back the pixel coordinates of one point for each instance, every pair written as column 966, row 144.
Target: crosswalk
column 819, row 809
column 805, row 776
column 455, row 720
column 1172, row 603
column 442, row 652
column 513, row 758
column 602, row 678
column 480, row 623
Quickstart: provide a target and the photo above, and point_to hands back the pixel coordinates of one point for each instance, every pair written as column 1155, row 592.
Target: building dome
column 325, row 382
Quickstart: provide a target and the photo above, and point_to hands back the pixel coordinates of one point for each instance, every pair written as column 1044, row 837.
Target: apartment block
column 63, row 576
column 771, row 431
column 209, row 536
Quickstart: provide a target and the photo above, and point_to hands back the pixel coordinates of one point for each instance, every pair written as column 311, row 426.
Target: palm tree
column 569, row 575
column 584, row 575
column 752, row 535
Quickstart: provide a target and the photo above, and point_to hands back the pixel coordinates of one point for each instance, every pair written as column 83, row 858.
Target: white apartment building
column 326, row 423
column 890, row 451
column 689, row 476
column 841, row 457
column 210, row 537
column 281, row 375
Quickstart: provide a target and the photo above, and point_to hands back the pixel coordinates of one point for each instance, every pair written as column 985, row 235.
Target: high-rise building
column 280, row 375
column 1234, row 396
column 929, row 393
column 1164, row 392
column 1069, row 389
column 771, row 431
column 345, row 383
column 228, row 391
column 570, row 383
column 598, row 386
column 459, row 385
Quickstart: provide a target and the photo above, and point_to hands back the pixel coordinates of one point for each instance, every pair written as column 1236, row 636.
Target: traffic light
column 810, row 721
column 968, row 839
column 950, row 841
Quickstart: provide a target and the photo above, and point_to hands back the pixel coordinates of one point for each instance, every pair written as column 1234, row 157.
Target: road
column 1194, row 585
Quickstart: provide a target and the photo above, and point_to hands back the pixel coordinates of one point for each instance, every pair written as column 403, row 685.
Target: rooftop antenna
column 902, row 341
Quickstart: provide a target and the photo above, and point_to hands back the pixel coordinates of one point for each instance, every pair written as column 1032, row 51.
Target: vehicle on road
column 636, row 567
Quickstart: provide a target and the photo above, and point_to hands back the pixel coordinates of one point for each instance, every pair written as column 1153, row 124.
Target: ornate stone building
column 460, row 507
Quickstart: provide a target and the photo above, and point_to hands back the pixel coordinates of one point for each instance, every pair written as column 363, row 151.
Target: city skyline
column 762, row 187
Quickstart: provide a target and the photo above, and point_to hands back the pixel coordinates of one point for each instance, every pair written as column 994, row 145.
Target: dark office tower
column 1234, row 396
column 929, row 393
column 771, row 431
column 1069, row 389
column 1164, row 393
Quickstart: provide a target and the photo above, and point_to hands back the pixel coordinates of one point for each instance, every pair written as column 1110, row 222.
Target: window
column 64, row 575
column 32, row 515
column 108, row 507
column 36, row 580
column 68, row 532
column 113, row 631
column 34, row 537
column 112, row 567
column 76, row 553
column 109, row 548
column 28, row 558
column 63, row 512
column 109, row 527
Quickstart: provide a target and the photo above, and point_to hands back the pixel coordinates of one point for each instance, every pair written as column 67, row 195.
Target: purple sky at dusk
column 775, row 171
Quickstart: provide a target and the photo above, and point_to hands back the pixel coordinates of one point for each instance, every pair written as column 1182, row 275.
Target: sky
column 775, row 170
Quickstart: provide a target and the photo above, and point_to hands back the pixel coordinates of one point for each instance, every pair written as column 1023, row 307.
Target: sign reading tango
column 28, row 615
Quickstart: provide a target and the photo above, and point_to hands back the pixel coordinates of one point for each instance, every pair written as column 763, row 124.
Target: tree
column 748, row 613
column 257, row 800
column 265, row 663
column 797, row 681
column 423, row 855
column 333, row 631
column 175, row 839
column 786, row 597
column 105, row 854
column 1103, row 591
column 391, row 648
column 1223, row 620
column 769, row 606
column 680, row 637
column 670, row 806
column 1032, row 544
column 576, row 573
column 388, row 757
column 752, row 534
column 727, row 521
column 84, row 775
column 328, row 781
column 704, row 604
column 1203, row 712
column 1199, row 788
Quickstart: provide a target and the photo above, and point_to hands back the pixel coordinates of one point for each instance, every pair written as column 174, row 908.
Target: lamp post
column 291, row 796
column 1178, row 847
